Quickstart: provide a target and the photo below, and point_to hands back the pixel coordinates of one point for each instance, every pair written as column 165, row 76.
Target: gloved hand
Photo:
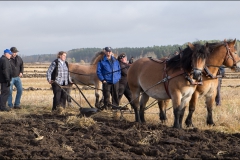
column 8, row 83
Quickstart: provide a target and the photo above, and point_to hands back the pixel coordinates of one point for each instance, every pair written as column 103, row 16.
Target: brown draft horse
column 221, row 53
column 86, row 75
column 166, row 80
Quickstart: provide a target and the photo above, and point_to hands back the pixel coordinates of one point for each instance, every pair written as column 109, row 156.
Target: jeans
column 16, row 81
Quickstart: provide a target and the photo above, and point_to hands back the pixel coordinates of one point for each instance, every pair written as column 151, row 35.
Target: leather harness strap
column 175, row 74
column 166, row 83
column 208, row 74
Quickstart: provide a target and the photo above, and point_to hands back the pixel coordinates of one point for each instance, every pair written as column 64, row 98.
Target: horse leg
column 136, row 111
column 209, row 103
column 192, row 104
column 143, row 102
column 181, row 116
column 176, row 101
column 97, row 105
column 98, row 91
column 135, row 96
column 68, row 90
column 162, row 104
column 176, row 112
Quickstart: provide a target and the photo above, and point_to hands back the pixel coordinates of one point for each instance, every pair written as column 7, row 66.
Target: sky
column 47, row 27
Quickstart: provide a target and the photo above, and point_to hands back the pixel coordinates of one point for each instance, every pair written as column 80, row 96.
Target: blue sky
column 46, row 27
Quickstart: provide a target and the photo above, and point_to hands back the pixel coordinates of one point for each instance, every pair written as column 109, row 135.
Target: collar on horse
column 167, row 77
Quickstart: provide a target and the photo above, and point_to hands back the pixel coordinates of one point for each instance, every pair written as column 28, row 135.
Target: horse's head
column 232, row 59
column 199, row 55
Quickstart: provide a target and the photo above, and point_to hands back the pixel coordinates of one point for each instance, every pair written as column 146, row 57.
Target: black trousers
column 218, row 96
column 109, row 88
column 5, row 91
column 59, row 97
column 125, row 90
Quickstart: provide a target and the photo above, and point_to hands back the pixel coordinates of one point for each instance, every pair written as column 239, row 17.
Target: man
column 17, row 72
column 5, row 79
column 130, row 60
column 58, row 72
column 221, row 72
column 123, row 85
column 109, row 72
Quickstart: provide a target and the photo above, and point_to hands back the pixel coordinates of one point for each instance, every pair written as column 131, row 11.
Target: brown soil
column 110, row 139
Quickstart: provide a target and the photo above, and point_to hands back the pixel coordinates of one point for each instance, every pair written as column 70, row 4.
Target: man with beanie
column 5, row 79
column 123, row 84
column 17, row 72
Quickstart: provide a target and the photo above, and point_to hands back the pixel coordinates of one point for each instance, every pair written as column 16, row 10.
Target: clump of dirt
column 51, row 137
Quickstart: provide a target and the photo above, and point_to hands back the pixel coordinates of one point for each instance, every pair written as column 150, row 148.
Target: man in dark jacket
column 221, row 72
column 5, row 79
column 17, row 72
column 130, row 60
column 123, row 85
column 108, row 71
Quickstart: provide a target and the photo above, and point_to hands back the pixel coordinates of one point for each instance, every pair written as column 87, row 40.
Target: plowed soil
column 47, row 137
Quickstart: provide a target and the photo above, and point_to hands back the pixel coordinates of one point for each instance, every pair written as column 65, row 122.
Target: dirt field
column 35, row 133
column 110, row 139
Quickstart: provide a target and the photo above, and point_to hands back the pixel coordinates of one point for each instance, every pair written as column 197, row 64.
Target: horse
column 86, row 75
column 167, row 78
column 221, row 53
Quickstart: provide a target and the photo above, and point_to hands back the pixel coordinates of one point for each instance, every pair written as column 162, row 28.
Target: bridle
column 229, row 54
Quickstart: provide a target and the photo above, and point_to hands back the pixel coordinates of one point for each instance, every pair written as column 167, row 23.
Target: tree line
column 85, row 55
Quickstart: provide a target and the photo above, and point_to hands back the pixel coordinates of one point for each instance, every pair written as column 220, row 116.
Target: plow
column 88, row 111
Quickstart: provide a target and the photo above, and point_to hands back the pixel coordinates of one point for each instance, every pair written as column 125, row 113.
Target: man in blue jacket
column 109, row 72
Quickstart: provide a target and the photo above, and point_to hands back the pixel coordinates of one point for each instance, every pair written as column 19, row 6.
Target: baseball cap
column 108, row 49
column 7, row 51
column 122, row 55
column 14, row 49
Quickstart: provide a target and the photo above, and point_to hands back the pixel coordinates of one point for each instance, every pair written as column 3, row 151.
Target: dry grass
column 226, row 117
column 83, row 122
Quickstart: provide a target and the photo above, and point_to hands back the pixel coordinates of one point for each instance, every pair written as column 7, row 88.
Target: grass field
column 226, row 117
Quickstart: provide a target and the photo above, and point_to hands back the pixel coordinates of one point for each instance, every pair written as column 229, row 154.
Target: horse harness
column 167, row 78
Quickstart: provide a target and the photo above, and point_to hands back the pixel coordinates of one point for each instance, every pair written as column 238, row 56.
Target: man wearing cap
column 5, row 79
column 123, row 85
column 109, row 72
column 17, row 72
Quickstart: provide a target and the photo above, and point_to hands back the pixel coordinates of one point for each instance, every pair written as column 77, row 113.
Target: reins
column 104, row 74
column 90, row 75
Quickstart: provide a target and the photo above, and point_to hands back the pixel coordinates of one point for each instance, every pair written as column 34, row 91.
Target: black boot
column 5, row 109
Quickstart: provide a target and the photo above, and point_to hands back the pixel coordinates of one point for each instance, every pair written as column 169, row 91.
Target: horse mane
column 184, row 58
column 215, row 45
column 99, row 56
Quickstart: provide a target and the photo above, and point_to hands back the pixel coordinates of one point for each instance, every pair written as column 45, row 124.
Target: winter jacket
column 17, row 66
column 108, row 71
column 59, row 72
column 5, row 70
